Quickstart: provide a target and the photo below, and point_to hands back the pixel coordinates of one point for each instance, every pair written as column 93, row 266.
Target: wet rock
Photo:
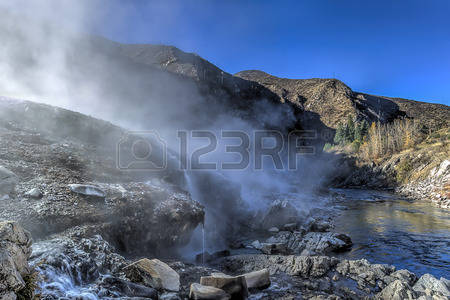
column 201, row 292
column 429, row 282
column 396, row 290
column 34, row 193
column 256, row 244
column 303, row 266
column 281, row 212
column 8, row 181
column 258, row 279
column 87, row 190
column 15, row 249
column 364, row 273
column 274, row 248
column 402, row 275
column 291, row 240
column 319, row 226
column 322, row 243
column 290, row 227
column 273, row 230
column 153, row 273
column 169, row 296
column 126, row 288
column 235, row 286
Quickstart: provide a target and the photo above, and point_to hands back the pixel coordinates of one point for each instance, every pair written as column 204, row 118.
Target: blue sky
column 398, row 48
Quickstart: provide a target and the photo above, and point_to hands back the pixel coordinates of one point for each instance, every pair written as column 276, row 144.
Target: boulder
column 235, row 286
column 87, row 190
column 127, row 288
column 15, row 249
column 169, row 296
column 256, row 244
column 8, row 181
column 153, row 273
column 324, row 242
column 280, row 212
column 202, row 292
column 258, row 279
column 34, row 193
column 290, row 227
column 274, row 248
column 396, row 290
column 273, row 230
column 429, row 282
column 319, row 226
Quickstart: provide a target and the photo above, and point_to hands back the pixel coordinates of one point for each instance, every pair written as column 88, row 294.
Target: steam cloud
column 57, row 63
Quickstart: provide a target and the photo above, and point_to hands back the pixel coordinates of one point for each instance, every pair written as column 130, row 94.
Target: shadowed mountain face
column 318, row 102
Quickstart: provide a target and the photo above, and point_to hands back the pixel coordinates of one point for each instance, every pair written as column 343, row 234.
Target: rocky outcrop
column 153, row 273
column 434, row 187
column 15, row 249
column 312, row 243
column 327, row 276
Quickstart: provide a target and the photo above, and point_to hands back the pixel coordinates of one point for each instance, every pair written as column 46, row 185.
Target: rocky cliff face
column 15, row 250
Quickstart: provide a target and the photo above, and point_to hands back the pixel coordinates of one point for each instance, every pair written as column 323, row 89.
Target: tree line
column 378, row 139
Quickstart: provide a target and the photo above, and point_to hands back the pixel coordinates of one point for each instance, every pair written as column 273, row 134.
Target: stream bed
column 386, row 228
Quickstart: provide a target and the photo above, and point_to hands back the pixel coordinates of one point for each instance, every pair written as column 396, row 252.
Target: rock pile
column 341, row 278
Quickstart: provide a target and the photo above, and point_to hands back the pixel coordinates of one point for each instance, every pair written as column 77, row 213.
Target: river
column 386, row 228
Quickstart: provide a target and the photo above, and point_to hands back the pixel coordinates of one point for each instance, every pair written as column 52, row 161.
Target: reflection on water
column 388, row 229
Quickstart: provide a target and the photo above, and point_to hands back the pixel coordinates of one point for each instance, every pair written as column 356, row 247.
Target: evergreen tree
column 339, row 136
column 364, row 129
column 358, row 132
column 350, row 131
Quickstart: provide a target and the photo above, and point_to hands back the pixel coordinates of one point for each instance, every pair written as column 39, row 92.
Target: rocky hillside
column 420, row 172
column 332, row 100
column 58, row 172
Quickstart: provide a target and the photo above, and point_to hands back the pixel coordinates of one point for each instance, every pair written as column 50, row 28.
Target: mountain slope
column 333, row 101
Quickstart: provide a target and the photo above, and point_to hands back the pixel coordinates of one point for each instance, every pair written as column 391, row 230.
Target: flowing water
column 386, row 228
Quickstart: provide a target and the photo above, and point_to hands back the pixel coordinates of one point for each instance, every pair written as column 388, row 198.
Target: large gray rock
column 396, row 290
column 153, row 273
column 325, row 242
column 281, row 212
column 258, row 279
column 431, row 283
column 202, row 292
column 8, row 181
column 312, row 242
column 15, row 249
column 235, row 286
column 87, row 190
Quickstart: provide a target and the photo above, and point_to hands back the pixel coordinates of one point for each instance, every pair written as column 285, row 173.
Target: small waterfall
column 203, row 243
